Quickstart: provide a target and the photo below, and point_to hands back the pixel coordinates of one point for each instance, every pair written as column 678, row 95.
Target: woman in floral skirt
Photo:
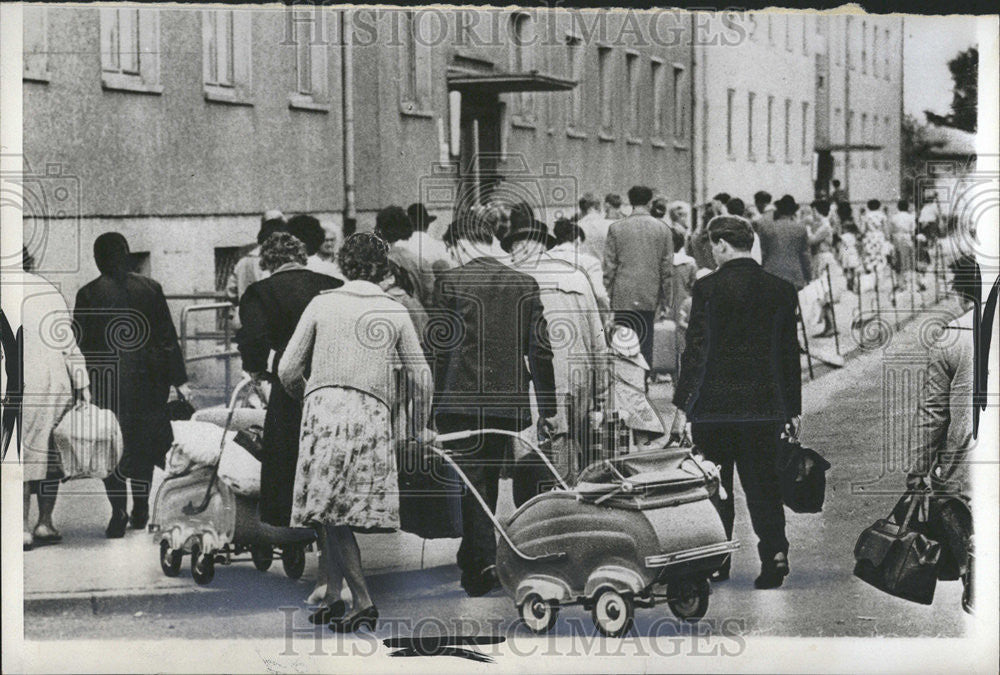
column 349, row 341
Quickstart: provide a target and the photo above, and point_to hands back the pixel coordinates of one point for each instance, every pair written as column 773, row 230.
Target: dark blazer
column 639, row 262
column 270, row 310
column 784, row 249
column 488, row 319
column 741, row 361
column 127, row 337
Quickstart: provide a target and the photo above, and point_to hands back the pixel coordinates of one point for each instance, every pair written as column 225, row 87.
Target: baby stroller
column 197, row 514
column 632, row 531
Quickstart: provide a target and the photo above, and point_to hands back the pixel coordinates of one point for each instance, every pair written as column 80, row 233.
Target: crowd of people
column 503, row 324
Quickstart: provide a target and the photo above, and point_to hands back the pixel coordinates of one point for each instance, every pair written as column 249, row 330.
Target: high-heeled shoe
column 365, row 618
column 327, row 613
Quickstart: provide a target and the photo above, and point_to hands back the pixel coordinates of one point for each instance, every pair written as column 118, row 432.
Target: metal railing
column 222, row 309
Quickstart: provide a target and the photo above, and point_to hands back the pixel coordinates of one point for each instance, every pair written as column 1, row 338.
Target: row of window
column 130, row 54
column 874, row 51
column 768, row 144
column 873, row 130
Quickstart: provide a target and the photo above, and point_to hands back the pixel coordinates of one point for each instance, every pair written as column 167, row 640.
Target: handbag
column 801, row 476
column 430, row 494
column 89, row 441
column 896, row 558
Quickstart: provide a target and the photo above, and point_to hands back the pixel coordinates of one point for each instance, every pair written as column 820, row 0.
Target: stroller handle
column 462, row 435
column 545, row 557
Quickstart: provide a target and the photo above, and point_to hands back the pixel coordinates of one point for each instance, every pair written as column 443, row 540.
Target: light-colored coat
column 639, row 262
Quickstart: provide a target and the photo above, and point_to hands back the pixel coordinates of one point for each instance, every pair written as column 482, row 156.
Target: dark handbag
column 896, row 558
column 801, row 476
column 179, row 409
column 430, row 494
column 252, row 440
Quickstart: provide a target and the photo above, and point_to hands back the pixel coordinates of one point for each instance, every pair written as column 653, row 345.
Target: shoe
column 327, row 613
column 478, row 584
column 29, row 541
column 139, row 518
column 116, row 526
column 772, row 573
column 827, row 332
column 365, row 618
column 45, row 534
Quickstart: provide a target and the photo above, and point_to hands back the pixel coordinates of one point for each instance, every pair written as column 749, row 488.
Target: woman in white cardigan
column 342, row 359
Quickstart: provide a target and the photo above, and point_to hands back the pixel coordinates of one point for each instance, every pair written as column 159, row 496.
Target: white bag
column 89, row 441
column 195, row 444
column 240, row 470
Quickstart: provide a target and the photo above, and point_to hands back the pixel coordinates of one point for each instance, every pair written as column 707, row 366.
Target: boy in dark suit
column 497, row 344
column 740, row 384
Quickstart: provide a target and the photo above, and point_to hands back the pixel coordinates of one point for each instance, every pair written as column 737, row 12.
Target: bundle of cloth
column 198, row 443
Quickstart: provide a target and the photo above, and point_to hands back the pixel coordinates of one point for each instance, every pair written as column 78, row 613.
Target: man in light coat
column 638, row 268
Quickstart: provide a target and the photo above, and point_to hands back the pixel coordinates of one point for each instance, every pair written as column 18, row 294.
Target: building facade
column 795, row 100
column 179, row 127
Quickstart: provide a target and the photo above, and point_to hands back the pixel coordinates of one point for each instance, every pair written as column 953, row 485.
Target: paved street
column 92, row 588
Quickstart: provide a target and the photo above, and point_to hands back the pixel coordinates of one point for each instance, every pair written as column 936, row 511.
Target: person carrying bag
column 89, row 441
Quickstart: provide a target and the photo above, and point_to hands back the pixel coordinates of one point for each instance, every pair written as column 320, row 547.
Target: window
column 770, row 29
column 886, row 135
column 788, row 129
column 730, row 96
column 632, row 75
column 659, row 82
column 751, row 101
column 680, row 107
column 139, row 263
column 788, row 32
column 849, row 43
column 35, row 21
column 805, row 131
column 130, row 49
column 522, row 60
column 574, row 66
column 415, row 65
column 864, row 47
column 312, row 84
column 875, row 58
column 864, row 138
column 605, row 78
column 838, row 124
column 805, row 33
column 836, row 41
column 226, row 38
column 886, row 49
column 770, row 128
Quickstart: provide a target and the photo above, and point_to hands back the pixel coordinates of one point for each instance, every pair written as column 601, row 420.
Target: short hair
column 613, row 200
column 836, row 183
column 736, row 207
column 761, row 198
column 639, row 195
column 822, row 206
column 874, row 205
column 308, row 230
column 844, row 212
column 659, row 207
column 269, row 227
column 567, row 231
column 589, row 201
column 733, row 229
column 392, row 224
column 364, row 256
column 281, row 248
column 966, row 278
column 722, row 197
column 903, row 205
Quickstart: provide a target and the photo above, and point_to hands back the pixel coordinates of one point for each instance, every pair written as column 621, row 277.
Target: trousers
column 117, row 492
column 750, row 447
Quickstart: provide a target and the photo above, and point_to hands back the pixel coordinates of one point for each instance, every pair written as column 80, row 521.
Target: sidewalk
column 87, row 571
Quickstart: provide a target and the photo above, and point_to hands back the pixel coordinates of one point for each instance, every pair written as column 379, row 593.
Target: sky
column 931, row 41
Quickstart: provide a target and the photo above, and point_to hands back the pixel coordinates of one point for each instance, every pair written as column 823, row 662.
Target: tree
column 965, row 93
column 917, row 144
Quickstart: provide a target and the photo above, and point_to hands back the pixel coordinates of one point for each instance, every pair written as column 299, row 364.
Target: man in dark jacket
column 740, row 383
column 494, row 323
column 784, row 244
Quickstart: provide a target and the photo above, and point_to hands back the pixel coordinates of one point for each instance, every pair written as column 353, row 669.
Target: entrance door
column 479, row 147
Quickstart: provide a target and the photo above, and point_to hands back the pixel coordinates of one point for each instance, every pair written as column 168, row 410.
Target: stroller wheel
column 613, row 613
column 293, row 559
column 538, row 615
column 262, row 556
column 170, row 560
column 202, row 566
column 688, row 598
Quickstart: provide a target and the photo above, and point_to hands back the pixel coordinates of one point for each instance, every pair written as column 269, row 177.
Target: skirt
column 346, row 472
